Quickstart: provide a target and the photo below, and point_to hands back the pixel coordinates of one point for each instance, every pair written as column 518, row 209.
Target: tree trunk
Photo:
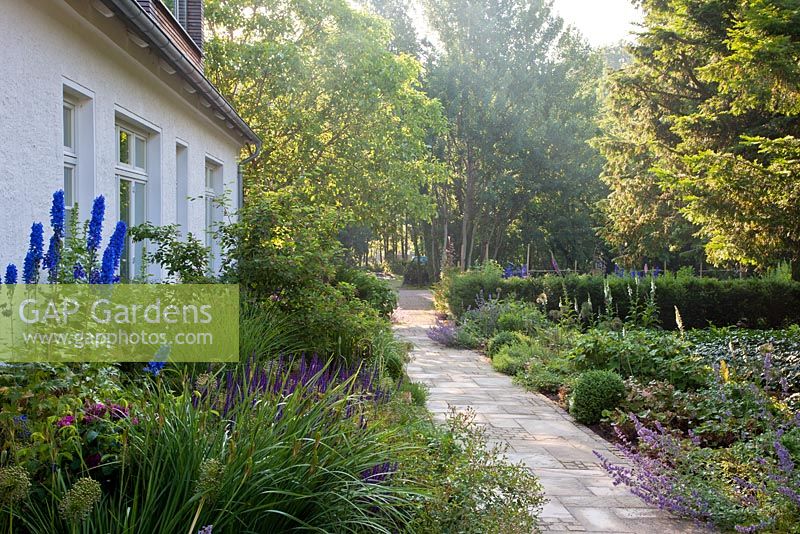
column 472, row 243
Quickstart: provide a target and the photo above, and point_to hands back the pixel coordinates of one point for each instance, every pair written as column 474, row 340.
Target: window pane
column 209, row 220
column 124, row 147
column 69, row 185
column 125, row 216
column 69, row 141
column 209, row 178
column 139, row 152
column 139, row 205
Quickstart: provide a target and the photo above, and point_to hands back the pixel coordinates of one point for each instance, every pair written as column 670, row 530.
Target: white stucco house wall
column 108, row 97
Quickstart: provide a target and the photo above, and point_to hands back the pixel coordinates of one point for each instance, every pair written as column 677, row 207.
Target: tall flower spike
column 96, row 224
column 53, row 257
column 57, row 212
column 112, row 254
column 11, row 274
column 30, row 271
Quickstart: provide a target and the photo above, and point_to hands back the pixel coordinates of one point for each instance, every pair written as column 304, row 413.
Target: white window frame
column 210, row 193
column 133, row 136
column 129, row 172
column 80, row 158
column 70, row 157
column 131, row 269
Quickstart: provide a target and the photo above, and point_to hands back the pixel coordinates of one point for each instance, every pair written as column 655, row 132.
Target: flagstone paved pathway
column 582, row 497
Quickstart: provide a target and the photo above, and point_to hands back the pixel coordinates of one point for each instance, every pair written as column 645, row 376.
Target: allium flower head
column 79, row 501
column 208, row 529
column 15, row 483
column 205, row 381
column 210, row 478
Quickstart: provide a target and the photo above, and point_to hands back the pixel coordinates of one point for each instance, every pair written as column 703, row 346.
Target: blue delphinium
column 53, row 256
column 30, row 271
column 57, row 211
column 11, row 274
column 154, row 367
column 78, row 273
column 96, row 224
column 113, row 253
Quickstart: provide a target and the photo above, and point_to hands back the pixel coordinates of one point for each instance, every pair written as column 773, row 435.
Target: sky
column 602, row 22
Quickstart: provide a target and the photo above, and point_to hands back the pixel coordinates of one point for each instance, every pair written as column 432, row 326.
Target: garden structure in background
column 706, row 418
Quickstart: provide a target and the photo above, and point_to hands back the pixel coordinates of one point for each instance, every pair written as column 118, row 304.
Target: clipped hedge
column 750, row 302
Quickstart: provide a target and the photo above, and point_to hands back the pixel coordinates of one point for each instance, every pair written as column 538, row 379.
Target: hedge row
column 754, row 303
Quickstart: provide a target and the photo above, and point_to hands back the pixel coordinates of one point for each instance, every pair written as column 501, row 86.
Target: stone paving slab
column 539, row 434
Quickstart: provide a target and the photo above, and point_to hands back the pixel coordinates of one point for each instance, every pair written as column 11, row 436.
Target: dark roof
column 166, row 41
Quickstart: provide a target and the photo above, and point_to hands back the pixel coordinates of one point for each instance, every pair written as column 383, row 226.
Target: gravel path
column 582, row 497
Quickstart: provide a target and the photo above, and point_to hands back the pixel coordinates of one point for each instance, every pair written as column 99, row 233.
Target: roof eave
column 137, row 18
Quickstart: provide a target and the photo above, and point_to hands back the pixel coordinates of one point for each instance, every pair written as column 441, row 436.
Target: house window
column 132, row 178
column 70, row 158
column 213, row 183
column 77, row 138
column 131, row 149
column 178, row 8
column 182, row 187
column 69, row 127
column 212, row 170
column 132, row 210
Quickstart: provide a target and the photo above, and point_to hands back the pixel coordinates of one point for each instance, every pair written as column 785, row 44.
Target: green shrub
column 418, row 392
column 756, row 303
column 504, row 338
column 466, row 338
column 749, row 350
column 511, row 359
column 520, row 317
column 369, row 288
column 541, row 378
column 417, row 274
column 648, row 354
column 594, row 392
column 472, row 488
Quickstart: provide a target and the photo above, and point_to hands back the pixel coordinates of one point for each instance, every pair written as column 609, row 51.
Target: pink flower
column 93, row 412
column 67, row 420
